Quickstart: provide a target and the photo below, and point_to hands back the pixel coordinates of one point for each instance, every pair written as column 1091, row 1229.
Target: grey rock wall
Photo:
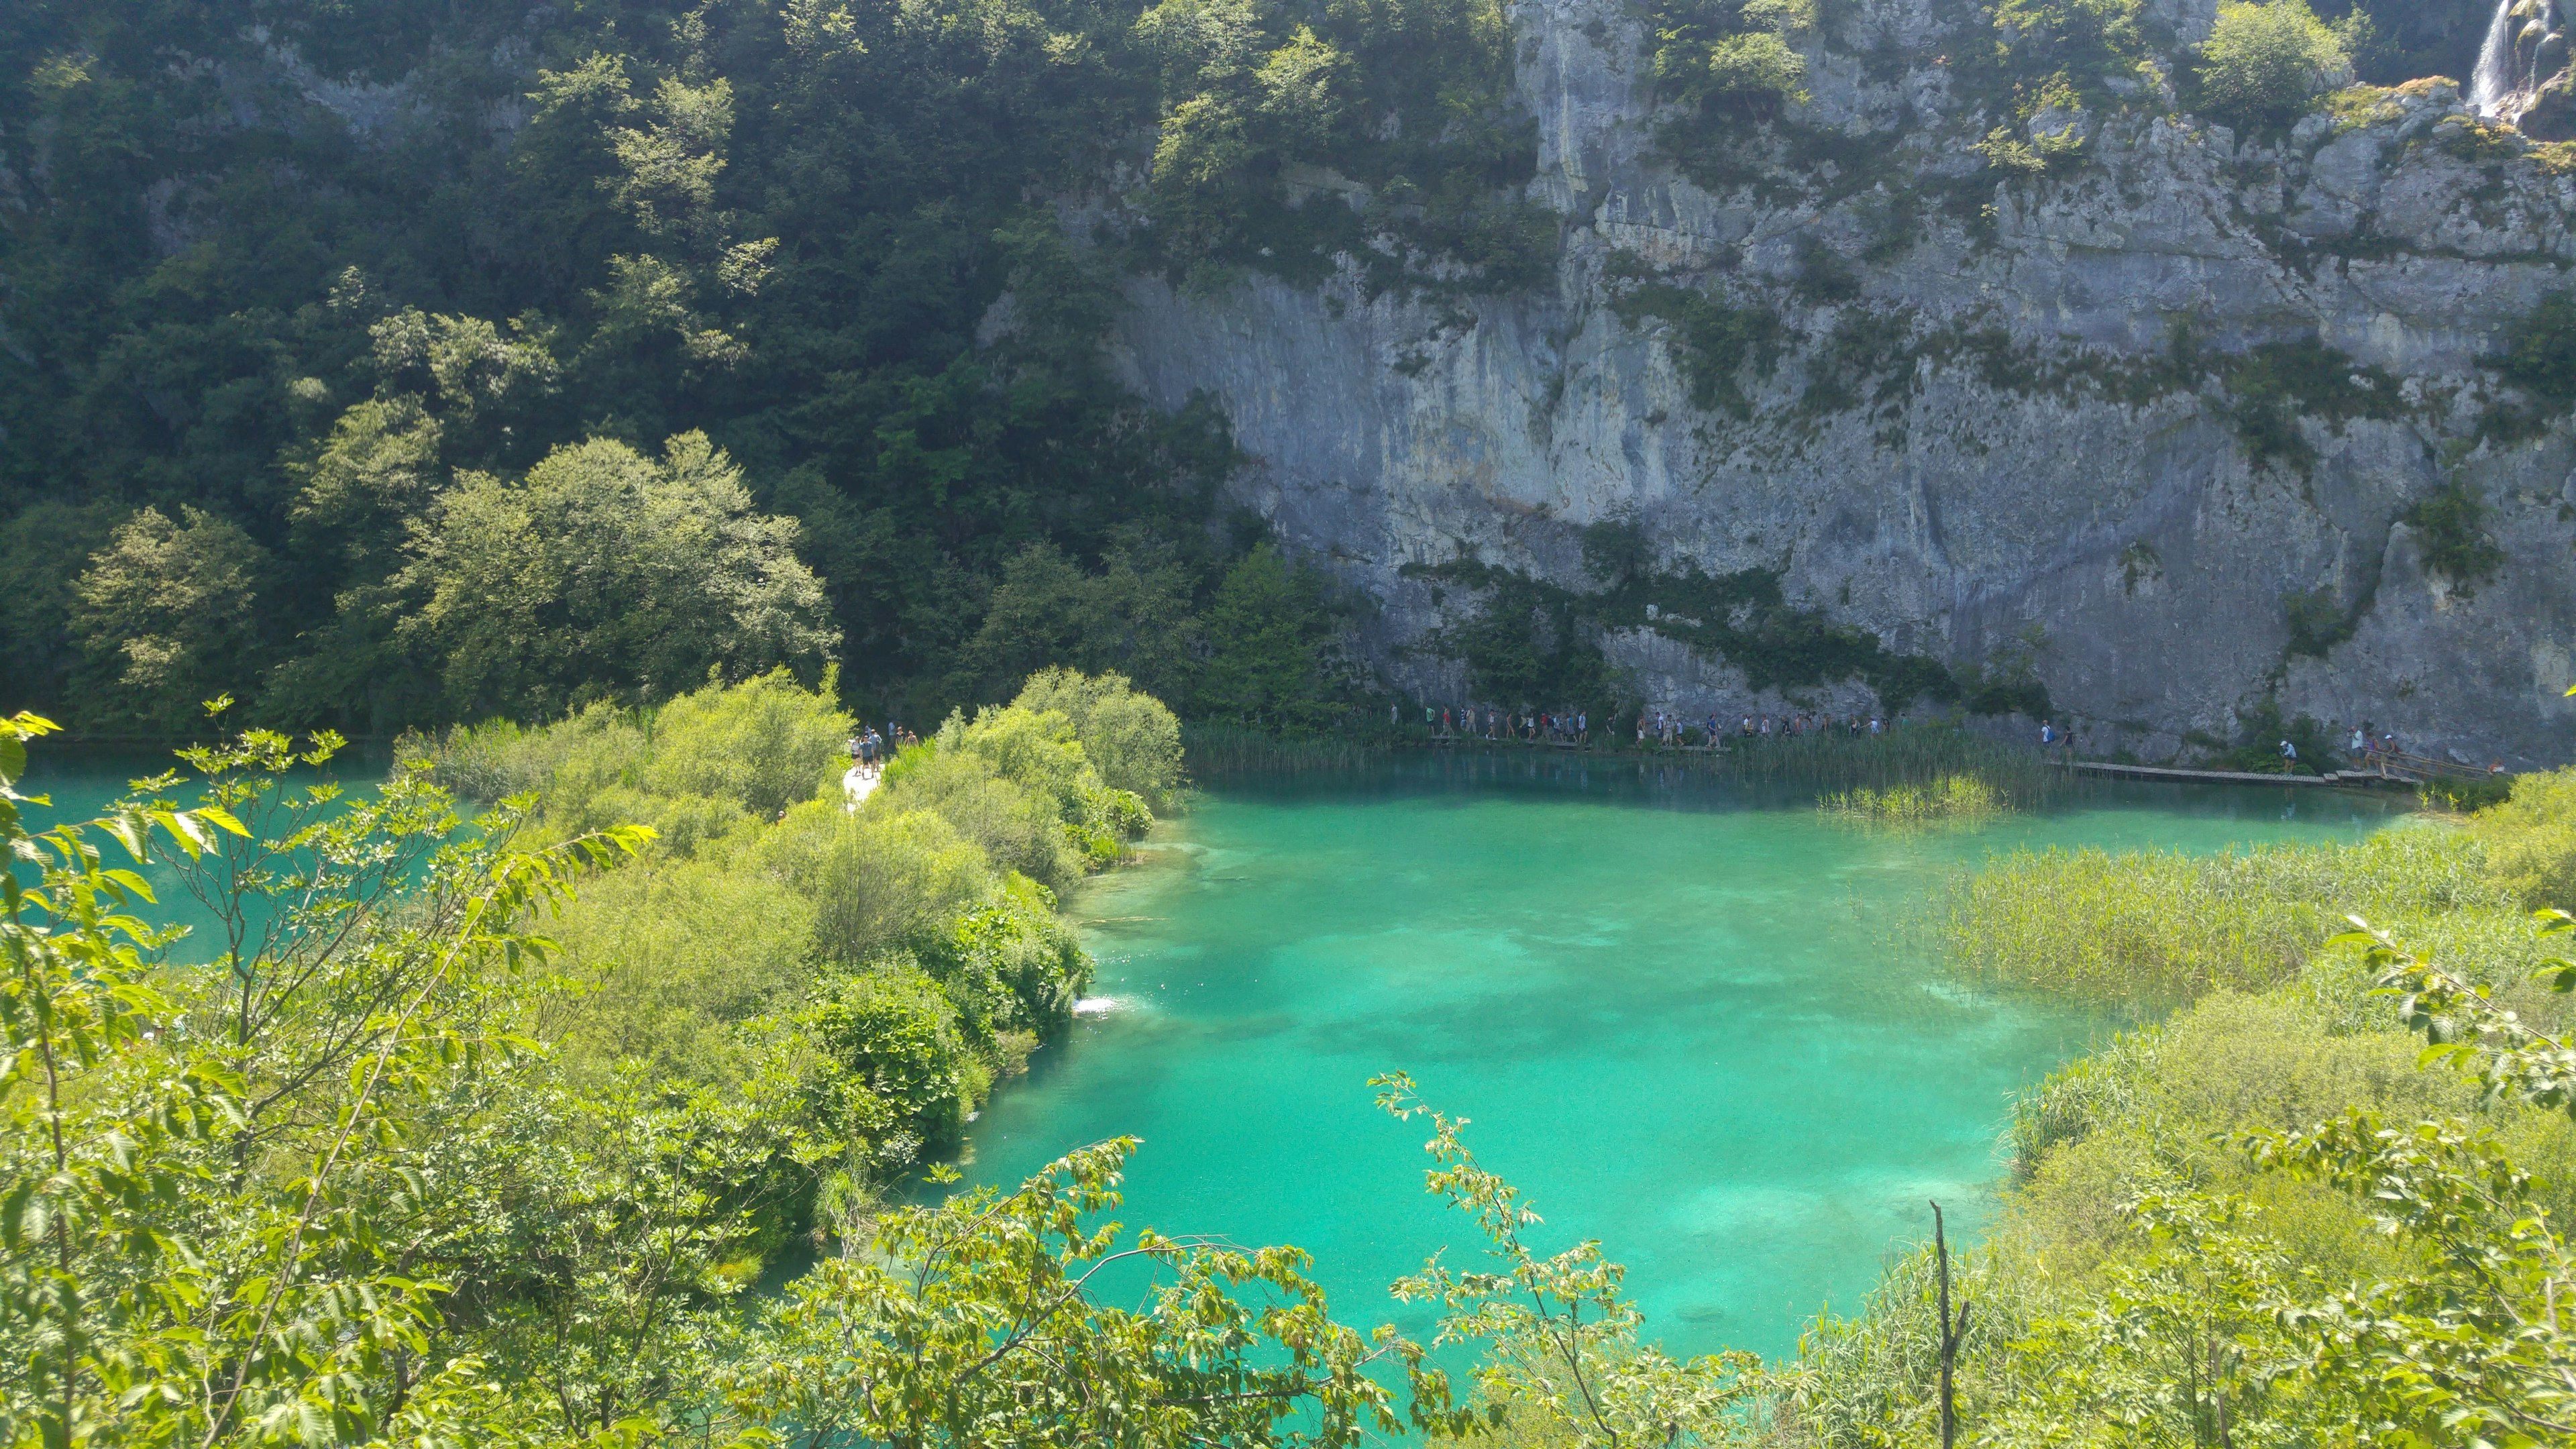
column 1983, row 507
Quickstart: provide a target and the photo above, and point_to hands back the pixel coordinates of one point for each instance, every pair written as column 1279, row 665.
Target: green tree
column 363, row 486
column 1127, row 734
column 605, row 573
column 1133, row 616
column 2267, row 61
column 1267, row 632
column 43, row 548
column 216, row 1227
column 977, row 1322
column 1559, row 1335
column 164, row 620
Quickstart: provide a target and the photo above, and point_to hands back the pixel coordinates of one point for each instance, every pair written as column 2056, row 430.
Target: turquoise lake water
column 1678, row 1015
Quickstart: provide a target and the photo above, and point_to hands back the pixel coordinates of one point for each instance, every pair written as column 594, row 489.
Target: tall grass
column 2150, row 929
column 1917, row 756
column 1867, row 1379
column 1216, row 750
column 1950, row 800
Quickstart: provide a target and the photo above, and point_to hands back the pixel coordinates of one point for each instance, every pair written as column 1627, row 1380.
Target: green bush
column 1735, row 52
column 879, row 880
column 2540, row 352
column 2530, row 839
column 1129, row 737
column 2077, row 44
column 1011, row 966
column 1712, row 341
column 764, row 744
column 890, row 1035
column 2266, row 62
column 672, row 958
column 2449, row 523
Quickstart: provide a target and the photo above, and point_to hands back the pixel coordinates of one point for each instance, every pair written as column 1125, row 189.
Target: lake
column 1682, row 1015
column 1685, row 1018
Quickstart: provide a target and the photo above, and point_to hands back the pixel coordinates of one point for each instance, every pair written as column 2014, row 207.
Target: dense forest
column 394, row 364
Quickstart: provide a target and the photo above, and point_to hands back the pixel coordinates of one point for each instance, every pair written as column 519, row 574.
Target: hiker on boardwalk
column 2289, row 758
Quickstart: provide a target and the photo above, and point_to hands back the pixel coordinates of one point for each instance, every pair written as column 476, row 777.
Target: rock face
column 2153, row 420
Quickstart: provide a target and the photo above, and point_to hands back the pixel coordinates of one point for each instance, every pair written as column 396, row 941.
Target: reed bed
column 1917, row 757
column 1950, row 800
column 2150, row 929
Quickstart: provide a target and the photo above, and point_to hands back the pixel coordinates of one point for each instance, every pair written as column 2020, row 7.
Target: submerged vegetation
column 1916, row 758
column 1950, row 800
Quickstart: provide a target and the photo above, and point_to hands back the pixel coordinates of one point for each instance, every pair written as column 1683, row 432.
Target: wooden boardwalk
column 2382, row 769
column 2195, row 777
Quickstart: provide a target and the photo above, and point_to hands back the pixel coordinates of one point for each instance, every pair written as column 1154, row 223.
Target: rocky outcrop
column 2153, row 421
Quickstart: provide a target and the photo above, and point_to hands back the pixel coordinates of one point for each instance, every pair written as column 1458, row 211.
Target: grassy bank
column 2265, row 1217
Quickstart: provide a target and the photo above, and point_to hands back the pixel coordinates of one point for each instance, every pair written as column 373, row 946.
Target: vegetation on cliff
column 389, row 366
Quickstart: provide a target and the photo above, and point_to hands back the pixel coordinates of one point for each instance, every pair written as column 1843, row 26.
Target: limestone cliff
column 2152, row 422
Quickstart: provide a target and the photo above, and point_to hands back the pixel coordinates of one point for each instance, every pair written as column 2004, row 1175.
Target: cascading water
column 2494, row 78
column 2526, row 48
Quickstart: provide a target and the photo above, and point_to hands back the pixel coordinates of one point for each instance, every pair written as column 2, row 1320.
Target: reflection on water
column 1672, row 1008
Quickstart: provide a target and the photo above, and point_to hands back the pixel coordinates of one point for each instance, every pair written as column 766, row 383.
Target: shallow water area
column 1679, row 1013
column 83, row 781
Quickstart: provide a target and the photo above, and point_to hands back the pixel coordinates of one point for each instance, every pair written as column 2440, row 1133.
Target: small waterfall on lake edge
column 2522, row 66
column 2494, row 78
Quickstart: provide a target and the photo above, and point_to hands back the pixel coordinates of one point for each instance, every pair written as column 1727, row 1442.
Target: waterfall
column 2494, row 78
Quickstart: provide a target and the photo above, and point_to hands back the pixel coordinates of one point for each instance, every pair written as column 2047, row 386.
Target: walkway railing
column 2415, row 769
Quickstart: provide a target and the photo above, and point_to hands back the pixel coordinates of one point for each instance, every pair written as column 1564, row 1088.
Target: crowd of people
column 1651, row 729
column 870, row 749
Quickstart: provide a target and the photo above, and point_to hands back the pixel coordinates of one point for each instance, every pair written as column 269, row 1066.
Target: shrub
column 2073, row 42
column 2448, row 522
column 1018, row 829
column 890, row 1034
column 2540, row 352
column 2530, row 839
column 676, row 954
column 1011, row 965
column 1711, row 341
column 2265, row 64
column 764, row 744
column 1760, row 68
column 1743, row 58
column 884, row 878
column 1130, row 738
